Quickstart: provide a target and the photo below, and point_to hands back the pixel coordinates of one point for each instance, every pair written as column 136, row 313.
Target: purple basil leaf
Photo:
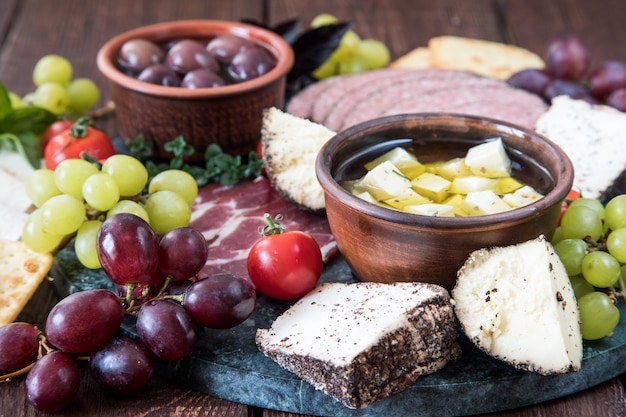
column 288, row 30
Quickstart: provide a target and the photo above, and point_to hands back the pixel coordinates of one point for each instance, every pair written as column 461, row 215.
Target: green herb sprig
column 217, row 167
column 21, row 128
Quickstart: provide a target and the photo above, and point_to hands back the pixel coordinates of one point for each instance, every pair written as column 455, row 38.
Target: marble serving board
column 227, row 364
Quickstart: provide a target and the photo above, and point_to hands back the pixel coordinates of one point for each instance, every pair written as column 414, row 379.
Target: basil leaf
column 26, row 144
column 27, row 119
column 5, row 102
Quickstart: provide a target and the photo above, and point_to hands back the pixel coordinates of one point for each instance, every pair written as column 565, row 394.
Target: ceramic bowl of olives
column 383, row 242
column 205, row 80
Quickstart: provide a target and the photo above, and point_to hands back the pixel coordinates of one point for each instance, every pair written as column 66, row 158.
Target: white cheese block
column 593, row 136
column 489, row 159
column 384, row 181
column 517, row 304
column 479, row 203
column 431, row 209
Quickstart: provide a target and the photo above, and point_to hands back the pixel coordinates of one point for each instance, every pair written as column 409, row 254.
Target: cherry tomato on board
column 284, row 265
column 53, row 130
column 71, row 143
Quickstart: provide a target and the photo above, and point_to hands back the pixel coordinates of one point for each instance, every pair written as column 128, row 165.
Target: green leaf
column 5, row 101
column 27, row 144
column 27, row 119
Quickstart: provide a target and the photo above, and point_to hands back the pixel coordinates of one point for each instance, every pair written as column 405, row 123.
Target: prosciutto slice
column 231, row 217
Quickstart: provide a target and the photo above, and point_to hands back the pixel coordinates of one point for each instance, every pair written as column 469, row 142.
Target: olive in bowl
column 166, row 81
column 386, row 245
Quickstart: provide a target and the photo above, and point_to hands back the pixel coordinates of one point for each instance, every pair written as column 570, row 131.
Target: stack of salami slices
column 343, row 101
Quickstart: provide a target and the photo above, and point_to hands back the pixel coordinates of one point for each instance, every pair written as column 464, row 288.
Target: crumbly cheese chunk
column 593, row 137
column 517, row 304
column 290, row 147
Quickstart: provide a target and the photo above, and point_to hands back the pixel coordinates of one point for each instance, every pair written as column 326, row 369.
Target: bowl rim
column 563, row 183
column 163, row 31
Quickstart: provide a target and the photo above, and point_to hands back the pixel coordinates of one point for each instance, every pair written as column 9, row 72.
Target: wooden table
column 76, row 29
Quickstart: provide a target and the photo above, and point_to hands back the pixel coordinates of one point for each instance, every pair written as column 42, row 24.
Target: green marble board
column 227, row 364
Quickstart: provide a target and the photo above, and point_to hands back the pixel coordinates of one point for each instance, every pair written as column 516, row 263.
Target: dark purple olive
column 225, row 47
column 160, row 74
column 188, row 55
column 251, row 63
column 138, row 54
column 202, row 78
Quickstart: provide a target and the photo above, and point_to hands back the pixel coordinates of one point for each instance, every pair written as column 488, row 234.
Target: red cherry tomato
column 259, row 152
column 73, row 142
column 284, row 265
column 53, row 130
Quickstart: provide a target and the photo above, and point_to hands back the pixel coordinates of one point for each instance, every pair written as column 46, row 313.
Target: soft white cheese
column 384, row 181
column 593, row 136
column 335, row 322
column 517, row 304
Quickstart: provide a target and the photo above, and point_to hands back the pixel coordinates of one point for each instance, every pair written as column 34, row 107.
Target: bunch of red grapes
column 158, row 283
column 568, row 71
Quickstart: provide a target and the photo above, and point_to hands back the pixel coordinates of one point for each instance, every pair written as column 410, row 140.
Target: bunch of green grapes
column 591, row 243
column 76, row 198
column 56, row 90
column 353, row 55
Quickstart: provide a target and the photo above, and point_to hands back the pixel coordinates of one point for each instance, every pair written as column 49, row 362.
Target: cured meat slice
column 230, row 219
column 325, row 102
column 301, row 104
column 521, row 114
column 370, row 102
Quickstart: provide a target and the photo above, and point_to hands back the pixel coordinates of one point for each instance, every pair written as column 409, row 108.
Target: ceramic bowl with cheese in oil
column 409, row 197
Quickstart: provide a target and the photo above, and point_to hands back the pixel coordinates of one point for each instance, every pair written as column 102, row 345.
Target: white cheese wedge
column 384, row 181
column 13, row 192
column 593, row 136
column 489, row 159
column 516, row 303
column 12, row 223
column 15, row 164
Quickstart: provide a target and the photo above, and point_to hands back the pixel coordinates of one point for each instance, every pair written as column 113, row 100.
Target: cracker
column 491, row 59
column 418, row 58
column 21, row 272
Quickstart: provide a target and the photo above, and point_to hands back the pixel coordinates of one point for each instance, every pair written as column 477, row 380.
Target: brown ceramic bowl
column 386, row 245
column 230, row 116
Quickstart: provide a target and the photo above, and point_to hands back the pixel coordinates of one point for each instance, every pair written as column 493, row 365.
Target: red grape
column 606, row 78
column 144, row 291
column 531, row 79
column 220, row 301
column 617, row 99
column 84, row 321
column 568, row 57
column 182, row 253
column 128, row 249
column 560, row 87
column 19, row 343
column 122, row 366
column 52, row 384
column 166, row 329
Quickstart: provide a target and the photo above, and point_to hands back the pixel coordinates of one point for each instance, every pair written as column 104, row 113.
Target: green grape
column 616, row 244
column 598, row 315
column 615, row 212
column 129, row 173
column 62, row 214
column 580, row 286
column 52, row 69
column 571, row 252
column 167, row 210
column 600, row 269
column 82, row 94
column 348, row 47
column 179, row 181
column 34, row 236
column 323, row 20
column 129, row 206
column 85, row 244
column 70, row 175
column 15, row 100
column 592, row 203
column 557, row 236
column 101, row 191
column 355, row 65
column 327, row 69
column 580, row 222
column 52, row 97
column 374, row 53
column 40, row 186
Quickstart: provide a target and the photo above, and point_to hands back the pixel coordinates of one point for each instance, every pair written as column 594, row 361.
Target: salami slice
column 301, row 104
